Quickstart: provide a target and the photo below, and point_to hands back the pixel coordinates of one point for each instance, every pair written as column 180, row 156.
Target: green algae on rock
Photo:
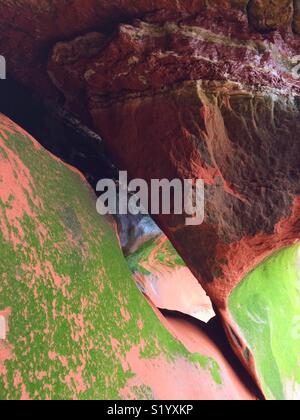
column 266, row 308
column 164, row 253
column 73, row 325
column 165, row 279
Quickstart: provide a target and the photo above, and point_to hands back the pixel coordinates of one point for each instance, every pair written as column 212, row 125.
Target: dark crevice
column 58, row 131
column 215, row 332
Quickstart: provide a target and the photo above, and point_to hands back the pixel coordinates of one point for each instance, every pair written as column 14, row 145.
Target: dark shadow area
column 215, row 332
column 57, row 130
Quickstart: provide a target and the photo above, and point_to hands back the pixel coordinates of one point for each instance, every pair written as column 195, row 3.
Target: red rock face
column 266, row 15
column 187, row 89
column 208, row 99
column 29, row 29
column 204, row 100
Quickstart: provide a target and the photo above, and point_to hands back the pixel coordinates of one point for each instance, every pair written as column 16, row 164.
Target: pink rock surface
column 169, row 284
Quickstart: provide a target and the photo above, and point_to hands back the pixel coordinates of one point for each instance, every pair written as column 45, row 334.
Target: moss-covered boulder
column 73, row 324
column 266, row 309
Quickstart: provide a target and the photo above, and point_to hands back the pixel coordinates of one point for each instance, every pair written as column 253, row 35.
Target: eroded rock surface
column 29, row 30
column 266, row 15
column 241, row 139
column 205, row 100
column 296, row 22
column 73, row 325
column 190, row 89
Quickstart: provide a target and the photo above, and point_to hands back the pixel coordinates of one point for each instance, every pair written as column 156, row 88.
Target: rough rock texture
column 72, row 322
column 189, row 89
column 242, row 140
column 266, row 15
column 164, row 278
column 296, row 22
column 30, row 29
column 238, row 143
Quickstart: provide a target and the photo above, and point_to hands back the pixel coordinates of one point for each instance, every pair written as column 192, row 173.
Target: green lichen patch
column 266, row 308
column 136, row 259
column 161, row 251
column 167, row 255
